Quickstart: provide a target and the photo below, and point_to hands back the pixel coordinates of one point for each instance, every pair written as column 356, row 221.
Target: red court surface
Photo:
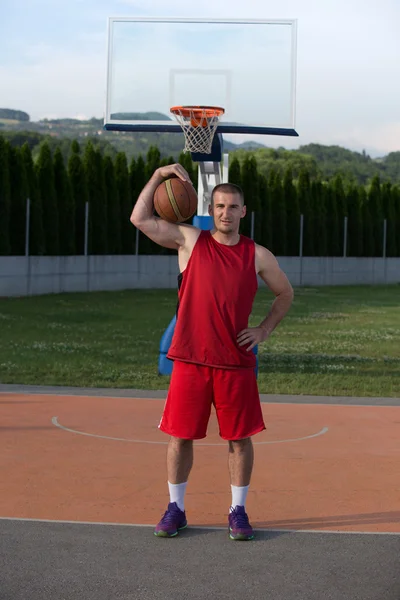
column 317, row 467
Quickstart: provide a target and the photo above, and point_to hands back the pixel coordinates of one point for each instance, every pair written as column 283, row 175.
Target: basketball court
column 83, row 471
column 83, row 484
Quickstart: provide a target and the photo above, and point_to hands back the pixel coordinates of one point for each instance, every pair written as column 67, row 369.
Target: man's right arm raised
column 169, row 235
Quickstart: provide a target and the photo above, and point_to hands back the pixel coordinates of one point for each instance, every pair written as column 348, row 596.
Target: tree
column 368, row 229
column 265, row 217
column 45, row 176
column 79, row 193
column 375, row 209
column 234, row 175
column 37, row 241
column 334, row 246
column 113, row 208
column 341, row 209
column 355, row 223
column 153, row 161
column 97, row 200
column 251, row 193
column 389, row 213
column 75, row 147
column 5, row 198
column 292, row 214
column 304, row 195
column 318, row 210
column 19, row 196
column 125, row 201
column 278, row 213
column 65, row 203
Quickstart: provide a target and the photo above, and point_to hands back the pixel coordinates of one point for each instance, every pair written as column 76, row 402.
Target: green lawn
column 335, row 341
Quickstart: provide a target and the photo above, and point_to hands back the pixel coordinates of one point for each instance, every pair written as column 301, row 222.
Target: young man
column 212, row 343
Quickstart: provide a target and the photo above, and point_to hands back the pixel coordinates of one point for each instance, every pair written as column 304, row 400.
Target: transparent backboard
column 247, row 67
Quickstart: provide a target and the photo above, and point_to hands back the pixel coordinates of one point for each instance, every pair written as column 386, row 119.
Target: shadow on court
column 334, row 521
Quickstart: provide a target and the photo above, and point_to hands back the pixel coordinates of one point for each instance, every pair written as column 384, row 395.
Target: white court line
column 55, row 422
column 266, row 402
column 199, row 527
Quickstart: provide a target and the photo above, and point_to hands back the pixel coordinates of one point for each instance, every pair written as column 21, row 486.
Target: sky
column 53, row 61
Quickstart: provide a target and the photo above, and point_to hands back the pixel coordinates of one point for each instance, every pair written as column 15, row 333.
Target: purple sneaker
column 173, row 520
column 239, row 526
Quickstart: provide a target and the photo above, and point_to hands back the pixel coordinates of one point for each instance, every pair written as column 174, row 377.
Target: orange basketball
column 175, row 200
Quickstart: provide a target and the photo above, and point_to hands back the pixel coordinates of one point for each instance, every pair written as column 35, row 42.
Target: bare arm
column 169, row 235
column 268, row 269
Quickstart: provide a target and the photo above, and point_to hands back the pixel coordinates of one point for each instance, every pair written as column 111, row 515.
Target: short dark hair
column 227, row 188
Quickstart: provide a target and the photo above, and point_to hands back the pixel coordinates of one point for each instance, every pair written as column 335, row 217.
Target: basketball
column 175, row 200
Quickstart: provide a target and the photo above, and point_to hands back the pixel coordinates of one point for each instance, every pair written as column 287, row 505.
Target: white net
column 199, row 126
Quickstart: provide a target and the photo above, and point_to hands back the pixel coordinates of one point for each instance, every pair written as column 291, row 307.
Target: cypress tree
column 318, row 210
column 65, row 202
column 251, row 193
column 280, row 217
column 375, row 208
column 265, row 213
column 304, row 195
column 37, row 242
column 368, row 230
column 19, row 195
column 341, row 209
column 333, row 241
column 355, row 225
column 114, row 241
column 234, row 175
column 389, row 213
column 185, row 159
column 97, row 201
column 293, row 213
column 75, row 147
column 153, row 161
column 122, row 178
column 395, row 194
column 45, row 177
column 79, row 193
column 5, row 198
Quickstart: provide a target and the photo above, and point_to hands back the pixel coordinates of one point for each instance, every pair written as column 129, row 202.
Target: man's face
column 227, row 210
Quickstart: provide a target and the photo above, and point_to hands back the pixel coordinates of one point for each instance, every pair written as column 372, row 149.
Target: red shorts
column 193, row 390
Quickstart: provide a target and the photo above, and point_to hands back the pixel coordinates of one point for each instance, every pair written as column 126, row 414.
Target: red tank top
column 216, row 295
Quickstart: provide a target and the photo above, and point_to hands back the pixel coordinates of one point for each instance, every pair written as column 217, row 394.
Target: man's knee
column 180, row 442
column 240, row 445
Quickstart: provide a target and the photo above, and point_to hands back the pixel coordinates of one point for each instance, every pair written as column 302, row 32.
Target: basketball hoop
column 199, row 124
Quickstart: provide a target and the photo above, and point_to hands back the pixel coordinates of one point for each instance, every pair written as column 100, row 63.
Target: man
column 212, row 343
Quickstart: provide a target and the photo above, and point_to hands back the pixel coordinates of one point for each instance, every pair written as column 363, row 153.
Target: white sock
column 239, row 495
column 177, row 493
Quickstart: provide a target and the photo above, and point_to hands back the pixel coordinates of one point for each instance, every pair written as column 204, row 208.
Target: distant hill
column 326, row 161
column 10, row 114
column 319, row 160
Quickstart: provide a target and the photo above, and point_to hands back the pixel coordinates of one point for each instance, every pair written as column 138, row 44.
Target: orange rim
column 198, row 111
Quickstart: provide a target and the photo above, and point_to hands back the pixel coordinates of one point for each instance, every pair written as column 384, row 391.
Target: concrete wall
column 20, row 276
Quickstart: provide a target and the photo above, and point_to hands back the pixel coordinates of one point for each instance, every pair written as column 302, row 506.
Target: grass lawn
column 335, row 341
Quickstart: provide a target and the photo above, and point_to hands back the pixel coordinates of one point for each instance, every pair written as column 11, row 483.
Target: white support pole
column 345, row 238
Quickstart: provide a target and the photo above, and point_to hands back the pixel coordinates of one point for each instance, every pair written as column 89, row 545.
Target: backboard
column 246, row 66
